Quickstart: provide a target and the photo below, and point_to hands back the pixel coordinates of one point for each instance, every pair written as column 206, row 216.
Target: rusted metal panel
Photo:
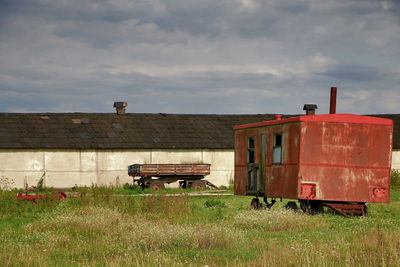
column 335, row 157
column 346, row 160
column 282, row 181
column 277, row 179
column 308, row 190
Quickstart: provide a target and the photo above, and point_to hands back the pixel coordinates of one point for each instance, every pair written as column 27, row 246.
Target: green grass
column 129, row 189
column 99, row 228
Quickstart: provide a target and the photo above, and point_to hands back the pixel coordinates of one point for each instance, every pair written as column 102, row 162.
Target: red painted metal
column 29, row 195
column 33, row 198
column 333, row 157
column 308, row 190
column 350, row 118
column 332, row 106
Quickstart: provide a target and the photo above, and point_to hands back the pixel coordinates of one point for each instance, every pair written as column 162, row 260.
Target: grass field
column 102, row 229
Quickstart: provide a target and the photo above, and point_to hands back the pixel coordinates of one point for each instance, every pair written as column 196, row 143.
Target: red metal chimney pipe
column 332, row 109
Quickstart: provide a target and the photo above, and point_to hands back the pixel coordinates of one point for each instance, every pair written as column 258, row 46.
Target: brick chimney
column 310, row 109
column 332, row 107
column 120, row 107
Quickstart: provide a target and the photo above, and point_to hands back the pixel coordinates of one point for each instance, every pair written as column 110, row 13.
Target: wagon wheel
column 311, row 207
column 156, row 185
column 303, row 205
column 306, row 206
column 255, row 204
column 365, row 210
column 291, row 205
column 198, row 185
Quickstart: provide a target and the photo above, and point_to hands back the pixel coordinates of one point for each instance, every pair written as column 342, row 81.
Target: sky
column 199, row 56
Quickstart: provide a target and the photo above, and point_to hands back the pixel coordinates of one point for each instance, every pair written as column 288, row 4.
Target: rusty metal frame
column 347, row 209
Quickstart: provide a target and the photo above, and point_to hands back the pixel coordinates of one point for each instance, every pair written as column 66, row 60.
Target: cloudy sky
column 199, row 56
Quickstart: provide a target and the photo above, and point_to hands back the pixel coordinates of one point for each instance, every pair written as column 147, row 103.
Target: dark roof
column 105, row 130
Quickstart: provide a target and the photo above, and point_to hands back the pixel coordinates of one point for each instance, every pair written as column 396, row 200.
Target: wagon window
column 277, row 152
column 251, row 149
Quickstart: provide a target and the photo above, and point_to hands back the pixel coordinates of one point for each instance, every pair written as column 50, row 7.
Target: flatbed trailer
column 154, row 176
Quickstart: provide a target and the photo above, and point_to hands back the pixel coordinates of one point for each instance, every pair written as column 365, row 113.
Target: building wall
column 66, row 168
column 396, row 159
column 69, row 167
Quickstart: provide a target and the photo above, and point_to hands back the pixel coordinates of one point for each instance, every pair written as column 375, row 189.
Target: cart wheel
column 291, row 205
column 305, row 206
column 311, row 207
column 199, row 184
column 156, row 185
column 365, row 210
column 255, row 204
column 316, row 207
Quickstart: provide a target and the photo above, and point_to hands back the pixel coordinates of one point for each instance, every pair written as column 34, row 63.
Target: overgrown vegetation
column 99, row 227
column 394, row 179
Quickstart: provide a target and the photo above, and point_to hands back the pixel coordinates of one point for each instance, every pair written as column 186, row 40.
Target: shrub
column 394, row 179
column 40, row 184
column 6, row 183
column 128, row 186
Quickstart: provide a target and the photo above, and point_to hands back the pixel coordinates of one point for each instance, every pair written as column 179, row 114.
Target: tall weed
column 394, row 179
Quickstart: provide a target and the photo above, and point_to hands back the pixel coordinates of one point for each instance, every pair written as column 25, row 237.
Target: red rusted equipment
column 341, row 161
column 346, row 209
column 188, row 175
column 31, row 194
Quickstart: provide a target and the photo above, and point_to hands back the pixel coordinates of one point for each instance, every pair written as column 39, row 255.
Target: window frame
column 274, row 146
column 250, row 150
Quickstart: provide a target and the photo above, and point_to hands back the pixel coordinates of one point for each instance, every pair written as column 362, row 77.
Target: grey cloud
column 393, row 8
column 357, row 73
column 294, row 7
column 191, row 56
column 72, row 10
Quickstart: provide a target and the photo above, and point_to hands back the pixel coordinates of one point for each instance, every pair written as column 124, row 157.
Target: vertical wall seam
column 97, row 166
column 151, row 156
column 80, row 166
column 44, row 168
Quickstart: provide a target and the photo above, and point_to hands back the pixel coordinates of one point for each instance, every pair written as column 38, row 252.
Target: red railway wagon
column 341, row 161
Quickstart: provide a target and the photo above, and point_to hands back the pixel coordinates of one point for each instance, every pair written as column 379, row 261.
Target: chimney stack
column 332, row 109
column 310, row 109
column 120, row 106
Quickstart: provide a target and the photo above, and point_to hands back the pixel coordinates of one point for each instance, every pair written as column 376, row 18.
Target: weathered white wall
column 69, row 167
column 396, row 159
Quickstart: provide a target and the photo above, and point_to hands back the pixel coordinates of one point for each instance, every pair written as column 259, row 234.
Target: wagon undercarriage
column 316, row 206
column 195, row 182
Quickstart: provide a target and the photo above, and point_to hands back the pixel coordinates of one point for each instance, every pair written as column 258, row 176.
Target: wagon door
column 263, row 158
column 253, row 169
